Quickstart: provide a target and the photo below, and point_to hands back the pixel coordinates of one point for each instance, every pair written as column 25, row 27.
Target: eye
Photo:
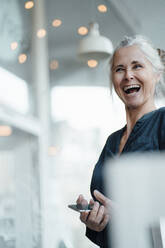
column 119, row 69
column 137, row 66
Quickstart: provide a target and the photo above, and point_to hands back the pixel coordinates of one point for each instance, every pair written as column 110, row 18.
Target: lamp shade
column 94, row 46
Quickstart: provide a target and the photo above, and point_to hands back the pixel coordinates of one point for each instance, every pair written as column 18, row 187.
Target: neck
column 134, row 114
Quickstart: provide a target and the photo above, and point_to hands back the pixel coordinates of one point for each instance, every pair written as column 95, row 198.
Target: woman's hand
column 99, row 216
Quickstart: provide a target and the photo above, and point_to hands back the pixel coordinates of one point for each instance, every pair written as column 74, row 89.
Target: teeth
column 131, row 86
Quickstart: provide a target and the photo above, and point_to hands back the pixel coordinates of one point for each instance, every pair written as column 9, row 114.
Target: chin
column 134, row 105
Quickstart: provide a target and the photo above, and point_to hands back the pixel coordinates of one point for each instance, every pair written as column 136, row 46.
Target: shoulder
column 160, row 112
column 155, row 117
column 160, row 116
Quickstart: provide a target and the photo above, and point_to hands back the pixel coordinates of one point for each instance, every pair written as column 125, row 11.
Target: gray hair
column 151, row 54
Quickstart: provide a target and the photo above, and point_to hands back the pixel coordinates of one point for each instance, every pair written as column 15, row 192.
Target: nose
column 128, row 75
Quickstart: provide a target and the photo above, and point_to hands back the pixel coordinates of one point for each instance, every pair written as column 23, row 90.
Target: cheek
column 147, row 77
column 116, row 79
column 117, row 89
column 149, row 81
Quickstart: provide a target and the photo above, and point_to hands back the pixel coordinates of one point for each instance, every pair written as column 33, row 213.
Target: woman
column 136, row 72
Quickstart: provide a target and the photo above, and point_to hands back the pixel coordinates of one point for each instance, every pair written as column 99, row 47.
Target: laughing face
column 133, row 77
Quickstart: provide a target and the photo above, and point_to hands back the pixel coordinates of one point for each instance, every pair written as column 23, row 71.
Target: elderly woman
column 136, row 72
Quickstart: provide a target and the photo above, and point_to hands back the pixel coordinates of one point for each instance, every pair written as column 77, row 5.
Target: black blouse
column 148, row 134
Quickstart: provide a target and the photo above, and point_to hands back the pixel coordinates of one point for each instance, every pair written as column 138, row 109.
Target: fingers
column 104, row 200
column 94, row 211
column 98, row 217
column 90, row 218
column 104, row 223
column 84, row 217
column 91, row 202
column 101, row 198
column 81, row 200
column 95, row 220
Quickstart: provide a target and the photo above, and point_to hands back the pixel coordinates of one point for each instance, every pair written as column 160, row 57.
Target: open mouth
column 131, row 88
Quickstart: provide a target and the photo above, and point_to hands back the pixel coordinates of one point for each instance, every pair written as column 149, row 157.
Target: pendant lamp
column 94, row 46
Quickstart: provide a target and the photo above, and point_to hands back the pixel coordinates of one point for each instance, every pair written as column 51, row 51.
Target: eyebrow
column 134, row 62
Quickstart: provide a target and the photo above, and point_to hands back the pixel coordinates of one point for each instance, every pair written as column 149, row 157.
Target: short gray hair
column 151, row 54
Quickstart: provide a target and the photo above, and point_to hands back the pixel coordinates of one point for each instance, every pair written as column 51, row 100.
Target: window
column 13, row 92
column 85, row 107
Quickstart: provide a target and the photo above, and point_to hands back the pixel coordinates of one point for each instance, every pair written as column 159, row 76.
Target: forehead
column 125, row 55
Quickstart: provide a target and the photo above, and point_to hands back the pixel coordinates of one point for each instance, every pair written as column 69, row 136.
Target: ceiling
column 122, row 18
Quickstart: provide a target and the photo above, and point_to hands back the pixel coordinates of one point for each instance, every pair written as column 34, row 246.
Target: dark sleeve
column 99, row 238
column 162, row 132
column 97, row 176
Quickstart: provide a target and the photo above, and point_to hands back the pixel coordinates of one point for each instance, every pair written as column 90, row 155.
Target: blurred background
column 56, row 111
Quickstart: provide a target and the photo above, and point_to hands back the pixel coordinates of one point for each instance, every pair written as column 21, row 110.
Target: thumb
column 101, row 198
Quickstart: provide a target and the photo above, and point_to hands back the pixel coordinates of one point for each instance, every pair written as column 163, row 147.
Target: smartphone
column 81, row 208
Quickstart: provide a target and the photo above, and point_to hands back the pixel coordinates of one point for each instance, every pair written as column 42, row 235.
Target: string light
column 52, row 151
column 54, row 65
column 14, row 45
column 82, row 30
column 22, row 58
column 5, row 131
column 92, row 63
column 41, row 33
column 102, row 8
column 56, row 23
column 29, row 5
